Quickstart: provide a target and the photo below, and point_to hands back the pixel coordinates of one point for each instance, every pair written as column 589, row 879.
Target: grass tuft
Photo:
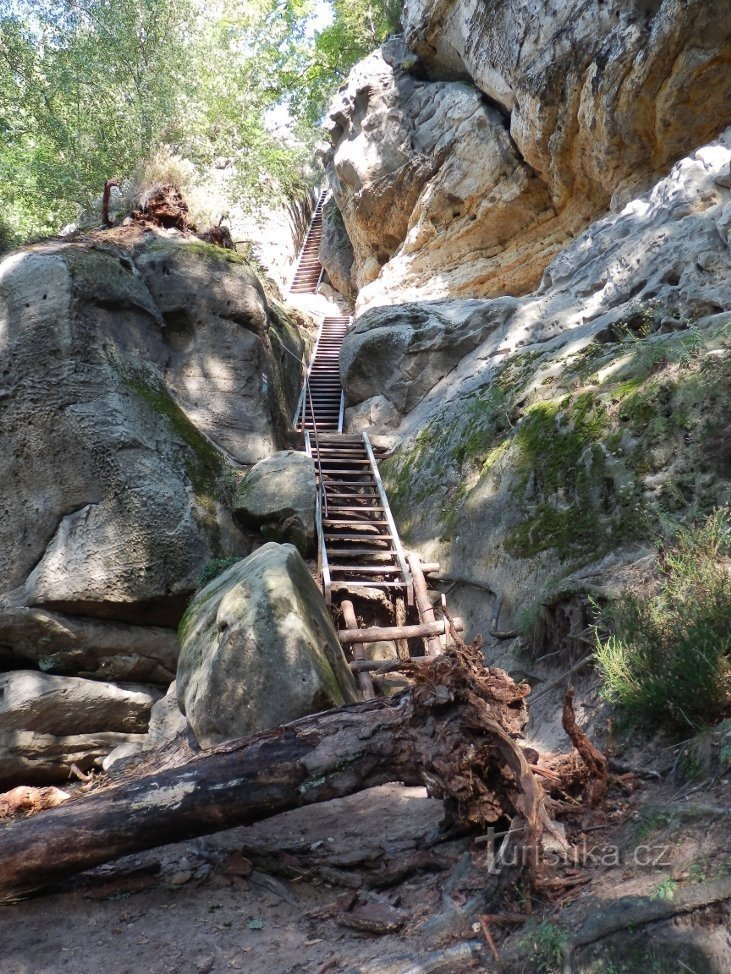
column 666, row 657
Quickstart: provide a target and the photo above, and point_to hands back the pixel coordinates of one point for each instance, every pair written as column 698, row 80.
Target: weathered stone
column 467, row 184
column 598, row 98
column 595, row 405
column 278, row 497
column 98, row 650
column 129, row 749
column 62, row 705
column 399, row 354
column 114, row 490
column 166, row 720
column 26, row 757
column 426, row 177
column 336, row 250
column 219, row 332
column 258, row 649
column 376, row 413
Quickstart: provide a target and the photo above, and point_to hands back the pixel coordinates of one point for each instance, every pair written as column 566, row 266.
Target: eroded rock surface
column 466, row 157
column 278, row 498
column 544, row 460
column 48, row 723
column 128, row 372
column 138, row 371
column 258, row 648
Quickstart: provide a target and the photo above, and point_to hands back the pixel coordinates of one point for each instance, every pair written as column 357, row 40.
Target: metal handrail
column 317, row 447
column 299, row 414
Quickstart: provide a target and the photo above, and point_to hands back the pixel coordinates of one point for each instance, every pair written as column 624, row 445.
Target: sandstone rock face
column 92, row 648
column 166, row 720
column 65, row 705
column 336, row 250
column 536, row 116
column 113, row 490
column 135, row 371
column 427, row 172
column 258, row 648
column 400, row 354
column 584, row 412
column 278, row 497
column 26, row 756
column 48, row 723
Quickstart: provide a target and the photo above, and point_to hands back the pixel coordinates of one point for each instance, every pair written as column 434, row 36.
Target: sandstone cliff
column 541, row 440
column 464, row 158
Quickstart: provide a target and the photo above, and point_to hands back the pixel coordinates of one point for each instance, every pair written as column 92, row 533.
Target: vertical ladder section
column 308, row 273
column 359, row 546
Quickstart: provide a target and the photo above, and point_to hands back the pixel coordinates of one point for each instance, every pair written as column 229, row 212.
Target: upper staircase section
column 308, row 274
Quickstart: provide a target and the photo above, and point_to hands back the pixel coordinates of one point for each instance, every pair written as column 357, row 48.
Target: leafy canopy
column 89, row 88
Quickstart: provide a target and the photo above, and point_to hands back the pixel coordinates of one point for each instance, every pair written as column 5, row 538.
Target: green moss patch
column 576, row 455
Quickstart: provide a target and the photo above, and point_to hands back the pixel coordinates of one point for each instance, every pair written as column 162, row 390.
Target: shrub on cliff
column 668, row 657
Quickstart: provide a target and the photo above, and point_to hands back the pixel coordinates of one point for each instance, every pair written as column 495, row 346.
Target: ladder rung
column 352, row 582
column 330, row 522
column 333, row 494
column 366, row 569
column 359, row 537
column 363, row 509
column 332, row 470
column 362, row 553
column 346, row 461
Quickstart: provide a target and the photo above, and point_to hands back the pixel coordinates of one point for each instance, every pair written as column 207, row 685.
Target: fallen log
column 452, row 730
column 375, row 634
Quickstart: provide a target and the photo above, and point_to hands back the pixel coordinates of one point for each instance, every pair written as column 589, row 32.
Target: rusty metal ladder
column 358, row 542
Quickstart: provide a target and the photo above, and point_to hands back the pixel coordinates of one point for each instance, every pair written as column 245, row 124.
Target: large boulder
column 278, row 497
column 461, row 171
column 259, row 649
column 100, row 650
column 68, row 705
column 131, row 371
column 26, row 756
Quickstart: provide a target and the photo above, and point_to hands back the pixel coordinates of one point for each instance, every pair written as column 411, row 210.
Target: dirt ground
column 272, row 898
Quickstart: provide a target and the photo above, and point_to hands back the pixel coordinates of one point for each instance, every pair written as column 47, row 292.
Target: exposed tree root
column 596, row 763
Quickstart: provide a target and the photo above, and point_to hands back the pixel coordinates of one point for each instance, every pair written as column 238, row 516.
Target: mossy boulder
column 259, row 649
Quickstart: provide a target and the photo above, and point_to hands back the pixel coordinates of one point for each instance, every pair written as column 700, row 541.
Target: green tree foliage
column 358, row 27
column 85, row 88
column 668, row 657
column 89, row 88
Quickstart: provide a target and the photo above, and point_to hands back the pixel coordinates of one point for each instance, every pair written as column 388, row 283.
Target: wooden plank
column 366, row 569
column 423, row 604
column 359, row 537
column 364, row 681
column 376, row 634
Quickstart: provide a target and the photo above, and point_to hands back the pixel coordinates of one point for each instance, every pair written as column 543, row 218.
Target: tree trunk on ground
column 453, row 731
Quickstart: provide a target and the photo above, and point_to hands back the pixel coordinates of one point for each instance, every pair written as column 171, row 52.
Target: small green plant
column 666, row 657
column 212, row 569
column 546, row 942
column 664, row 890
column 652, row 821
